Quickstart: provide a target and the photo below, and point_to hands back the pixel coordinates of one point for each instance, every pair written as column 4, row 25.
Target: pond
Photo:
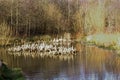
column 91, row 63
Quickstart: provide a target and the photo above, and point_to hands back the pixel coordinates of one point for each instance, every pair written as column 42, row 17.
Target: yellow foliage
column 78, row 18
column 95, row 17
column 53, row 12
column 4, row 33
column 4, row 30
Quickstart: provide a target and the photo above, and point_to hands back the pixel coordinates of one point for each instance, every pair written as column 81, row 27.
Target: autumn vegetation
column 26, row 18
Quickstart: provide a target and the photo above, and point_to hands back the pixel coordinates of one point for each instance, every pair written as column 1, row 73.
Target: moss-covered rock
column 10, row 74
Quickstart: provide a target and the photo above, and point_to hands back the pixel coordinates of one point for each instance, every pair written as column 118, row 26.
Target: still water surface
column 91, row 63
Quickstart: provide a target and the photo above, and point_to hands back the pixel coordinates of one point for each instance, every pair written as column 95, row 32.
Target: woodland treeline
column 39, row 17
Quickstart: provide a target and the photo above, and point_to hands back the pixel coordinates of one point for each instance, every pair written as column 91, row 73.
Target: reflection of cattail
column 0, row 63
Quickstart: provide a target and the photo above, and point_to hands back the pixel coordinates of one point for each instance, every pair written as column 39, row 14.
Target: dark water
column 91, row 63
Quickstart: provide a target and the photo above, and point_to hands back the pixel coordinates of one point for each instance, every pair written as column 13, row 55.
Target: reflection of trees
column 98, row 61
column 44, row 67
column 113, row 64
column 90, row 60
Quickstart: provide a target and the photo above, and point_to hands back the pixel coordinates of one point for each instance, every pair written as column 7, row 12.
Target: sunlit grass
column 105, row 40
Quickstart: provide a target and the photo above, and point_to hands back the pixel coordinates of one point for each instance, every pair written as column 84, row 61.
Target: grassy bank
column 11, row 41
column 108, row 41
column 20, row 40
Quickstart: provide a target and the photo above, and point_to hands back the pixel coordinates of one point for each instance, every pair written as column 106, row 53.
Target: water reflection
column 91, row 63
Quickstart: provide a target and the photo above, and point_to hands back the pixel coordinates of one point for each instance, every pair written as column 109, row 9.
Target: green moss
column 10, row 74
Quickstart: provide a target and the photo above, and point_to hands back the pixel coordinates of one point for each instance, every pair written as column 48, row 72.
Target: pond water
column 91, row 63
